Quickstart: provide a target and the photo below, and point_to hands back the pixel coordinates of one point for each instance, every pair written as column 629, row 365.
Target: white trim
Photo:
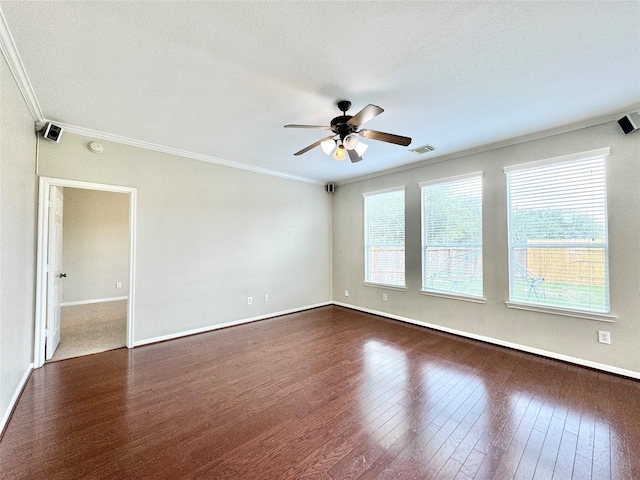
column 95, row 300
column 218, row 326
column 41, row 276
column 14, row 398
column 599, row 317
column 63, row 182
column 402, row 188
column 41, row 266
column 453, row 296
column 86, row 132
column 502, row 343
column 8, row 47
column 401, row 288
column 133, row 209
column 572, row 127
column 588, row 155
column 456, row 178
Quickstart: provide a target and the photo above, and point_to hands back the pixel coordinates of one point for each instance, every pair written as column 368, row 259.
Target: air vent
column 423, row 149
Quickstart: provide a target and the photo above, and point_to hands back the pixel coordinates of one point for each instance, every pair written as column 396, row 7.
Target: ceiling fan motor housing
column 339, row 126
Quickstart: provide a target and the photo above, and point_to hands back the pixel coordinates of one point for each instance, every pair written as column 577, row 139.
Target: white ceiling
column 221, row 79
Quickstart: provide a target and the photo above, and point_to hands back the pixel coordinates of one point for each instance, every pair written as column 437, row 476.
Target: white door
column 54, row 273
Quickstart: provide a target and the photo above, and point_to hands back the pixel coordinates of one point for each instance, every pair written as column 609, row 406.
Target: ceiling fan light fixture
column 328, row 145
column 340, row 153
column 350, row 141
column 344, row 128
column 361, row 148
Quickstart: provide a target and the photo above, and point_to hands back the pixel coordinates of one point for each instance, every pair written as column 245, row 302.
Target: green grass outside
column 561, row 294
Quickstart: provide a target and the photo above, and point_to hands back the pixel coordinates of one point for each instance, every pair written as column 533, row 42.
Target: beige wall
column 209, row 236
column 17, row 237
column 95, row 245
column 568, row 336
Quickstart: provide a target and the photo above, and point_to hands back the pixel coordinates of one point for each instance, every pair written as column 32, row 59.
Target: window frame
column 367, row 281
column 423, row 246
column 606, row 315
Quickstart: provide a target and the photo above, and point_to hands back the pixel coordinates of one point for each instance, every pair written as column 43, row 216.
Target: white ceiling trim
column 592, row 122
column 10, row 52
column 182, row 153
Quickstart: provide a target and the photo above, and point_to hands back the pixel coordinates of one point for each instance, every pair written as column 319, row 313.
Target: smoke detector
column 96, row 147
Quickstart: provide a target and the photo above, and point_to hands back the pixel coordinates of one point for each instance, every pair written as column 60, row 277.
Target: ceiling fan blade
column 386, row 137
column 313, row 145
column 353, row 155
column 320, row 127
column 364, row 115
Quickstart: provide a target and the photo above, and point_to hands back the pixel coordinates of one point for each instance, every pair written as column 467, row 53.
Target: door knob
column 63, row 275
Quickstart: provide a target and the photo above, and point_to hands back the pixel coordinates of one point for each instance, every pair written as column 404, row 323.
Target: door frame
column 45, row 184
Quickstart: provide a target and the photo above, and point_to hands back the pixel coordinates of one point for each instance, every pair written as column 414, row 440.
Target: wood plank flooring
column 329, row 393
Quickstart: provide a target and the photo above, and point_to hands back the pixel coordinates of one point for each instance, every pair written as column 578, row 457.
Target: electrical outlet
column 119, row 285
column 266, row 297
column 249, row 300
column 604, row 337
column 346, row 293
column 384, row 297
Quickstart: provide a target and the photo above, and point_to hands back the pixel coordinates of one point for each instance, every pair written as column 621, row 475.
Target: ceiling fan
column 345, row 131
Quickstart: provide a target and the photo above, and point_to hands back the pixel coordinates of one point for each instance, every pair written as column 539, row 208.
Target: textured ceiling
column 220, row 79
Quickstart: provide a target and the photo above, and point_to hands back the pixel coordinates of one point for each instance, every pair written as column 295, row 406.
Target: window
column 384, row 237
column 558, row 250
column 452, row 235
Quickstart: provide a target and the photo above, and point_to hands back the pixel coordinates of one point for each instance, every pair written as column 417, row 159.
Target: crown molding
column 86, row 132
column 10, row 52
column 571, row 127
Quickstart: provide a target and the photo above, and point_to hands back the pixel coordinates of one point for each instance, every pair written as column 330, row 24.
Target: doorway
column 48, row 299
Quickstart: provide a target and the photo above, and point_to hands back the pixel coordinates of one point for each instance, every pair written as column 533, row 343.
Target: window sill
column 598, row 317
column 453, row 296
column 385, row 285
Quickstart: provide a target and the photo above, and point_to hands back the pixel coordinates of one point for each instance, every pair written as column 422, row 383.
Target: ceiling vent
column 423, row 149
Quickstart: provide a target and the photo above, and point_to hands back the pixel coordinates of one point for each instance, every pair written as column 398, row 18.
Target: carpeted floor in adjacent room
column 91, row 328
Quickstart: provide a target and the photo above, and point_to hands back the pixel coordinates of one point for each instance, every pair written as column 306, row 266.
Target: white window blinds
column 452, row 235
column 384, row 237
column 558, row 246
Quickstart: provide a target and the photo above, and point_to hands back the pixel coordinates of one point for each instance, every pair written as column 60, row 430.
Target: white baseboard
column 14, row 399
column 95, row 300
column 544, row 353
column 209, row 328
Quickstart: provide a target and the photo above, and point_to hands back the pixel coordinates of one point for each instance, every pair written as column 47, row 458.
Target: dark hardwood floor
column 329, row 393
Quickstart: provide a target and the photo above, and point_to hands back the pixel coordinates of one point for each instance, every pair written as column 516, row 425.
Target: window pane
column 558, row 235
column 452, row 236
column 384, row 238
